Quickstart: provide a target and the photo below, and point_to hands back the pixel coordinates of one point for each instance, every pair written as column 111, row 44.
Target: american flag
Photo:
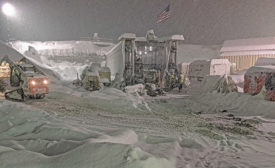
column 164, row 15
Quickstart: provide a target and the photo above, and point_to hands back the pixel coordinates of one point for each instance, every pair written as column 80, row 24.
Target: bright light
column 150, row 48
column 8, row 9
column 45, row 82
column 33, row 82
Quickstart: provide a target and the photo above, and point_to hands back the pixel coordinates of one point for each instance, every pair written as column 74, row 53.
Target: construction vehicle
column 25, row 80
column 94, row 77
column 143, row 60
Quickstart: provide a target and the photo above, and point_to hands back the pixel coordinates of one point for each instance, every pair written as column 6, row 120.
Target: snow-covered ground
column 110, row 128
column 73, row 128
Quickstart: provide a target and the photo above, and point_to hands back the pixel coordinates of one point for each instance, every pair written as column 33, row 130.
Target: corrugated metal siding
column 247, row 61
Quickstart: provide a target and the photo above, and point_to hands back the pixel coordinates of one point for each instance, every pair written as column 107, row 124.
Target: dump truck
column 94, row 77
column 24, row 80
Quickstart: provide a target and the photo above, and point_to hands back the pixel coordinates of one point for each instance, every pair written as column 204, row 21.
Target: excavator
column 25, row 80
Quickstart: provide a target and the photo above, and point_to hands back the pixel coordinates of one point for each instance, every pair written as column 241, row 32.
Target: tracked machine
column 23, row 80
column 94, row 77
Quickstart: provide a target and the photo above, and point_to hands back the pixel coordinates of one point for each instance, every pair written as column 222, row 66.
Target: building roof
column 252, row 44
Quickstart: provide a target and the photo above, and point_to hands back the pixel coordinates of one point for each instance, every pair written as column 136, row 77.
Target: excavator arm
column 15, row 72
column 26, row 80
column 16, row 94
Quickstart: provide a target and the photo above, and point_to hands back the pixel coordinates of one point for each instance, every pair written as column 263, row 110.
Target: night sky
column 201, row 21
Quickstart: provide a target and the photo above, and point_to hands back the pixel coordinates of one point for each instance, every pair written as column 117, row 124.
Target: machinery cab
column 91, row 81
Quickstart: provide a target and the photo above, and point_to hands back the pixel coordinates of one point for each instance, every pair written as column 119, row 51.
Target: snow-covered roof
column 241, row 53
column 127, row 36
column 261, row 69
column 175, row 37
column 162, row 39
column 252, row 44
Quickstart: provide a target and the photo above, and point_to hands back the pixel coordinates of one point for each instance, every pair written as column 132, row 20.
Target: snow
column 10, row 52
column 65, row 58
column 115, row 60
column 73, row 128
column 196, row 127
column 252, row 44
column 60, row 47
column 31, row 137
column 265, row 53
column 260, row 69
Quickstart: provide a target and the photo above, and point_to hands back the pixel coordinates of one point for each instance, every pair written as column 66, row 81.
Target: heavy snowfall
column 208, row 123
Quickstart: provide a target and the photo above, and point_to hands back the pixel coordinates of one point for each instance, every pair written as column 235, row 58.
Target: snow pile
column 237, row 103
column 10, row 52
column 239, row 80
column 63, row 48
column 32, row 138
column 66, row 58
column 66, row 70
column 208, row 99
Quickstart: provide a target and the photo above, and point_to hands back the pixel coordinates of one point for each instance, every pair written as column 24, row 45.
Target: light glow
column 45, row 82
column 33, row 82
column 9, row 10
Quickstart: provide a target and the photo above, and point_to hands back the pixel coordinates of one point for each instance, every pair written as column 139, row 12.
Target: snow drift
column 66, row 58
column 32, row 138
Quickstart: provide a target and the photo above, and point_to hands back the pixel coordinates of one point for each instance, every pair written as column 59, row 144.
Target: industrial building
column 244, row 53
column 146, row 59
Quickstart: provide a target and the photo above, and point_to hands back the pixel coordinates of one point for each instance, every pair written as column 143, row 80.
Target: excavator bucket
column 15, row 95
